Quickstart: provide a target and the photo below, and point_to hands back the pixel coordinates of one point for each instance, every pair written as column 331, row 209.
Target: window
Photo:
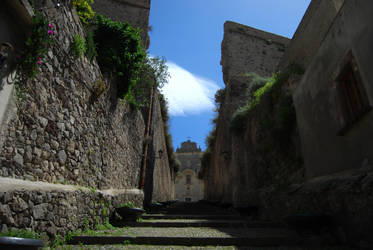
column 351, row 96
column 188, row 199
column 188, row 179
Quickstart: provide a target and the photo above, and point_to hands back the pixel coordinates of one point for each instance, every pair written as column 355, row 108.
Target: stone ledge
column 230, row 26
column 56, row 208
column 11, row 184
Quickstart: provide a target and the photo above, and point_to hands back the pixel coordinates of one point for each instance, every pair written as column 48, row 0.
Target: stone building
column 187, row 186
column 331, row 132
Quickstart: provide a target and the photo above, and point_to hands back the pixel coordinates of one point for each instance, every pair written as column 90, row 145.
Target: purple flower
column 50, row 32
column 50, row 25
column 39, row 61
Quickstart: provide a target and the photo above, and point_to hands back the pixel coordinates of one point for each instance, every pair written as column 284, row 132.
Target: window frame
column 352, row 99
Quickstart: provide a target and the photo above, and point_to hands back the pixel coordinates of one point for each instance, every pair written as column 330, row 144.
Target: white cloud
column 187, row 93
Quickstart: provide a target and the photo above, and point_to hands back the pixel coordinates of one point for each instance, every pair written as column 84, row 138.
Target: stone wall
column 58, row 134
column 345, row 197
column 136, row 12
column 58, row 131
column 57, row 209
column 244, row 50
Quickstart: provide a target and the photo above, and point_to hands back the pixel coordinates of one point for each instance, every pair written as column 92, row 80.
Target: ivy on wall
column 119, row 53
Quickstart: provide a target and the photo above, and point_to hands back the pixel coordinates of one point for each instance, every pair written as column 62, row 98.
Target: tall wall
column 136, row 12
column 333, row 44
column 159, row 180
column 311, row 32
column 244, row 50
column 60, row 132
column 325, row 149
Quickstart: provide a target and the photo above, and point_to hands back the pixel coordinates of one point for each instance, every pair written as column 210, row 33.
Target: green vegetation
column 100, row 229
column 205, row 162
column 37, row 46
column 85, row 12
column 79, row 45
column 128, row 205
column 21, row 233
column 219, row 98
column 119, row 54
column 211, row 137
column 207, row 154
column 272, row 90
column 91, row 51
column 92, row 189
column 154, row 74
column 99, row 88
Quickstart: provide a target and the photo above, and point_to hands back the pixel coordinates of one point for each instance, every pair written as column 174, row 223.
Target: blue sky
column 188, row 33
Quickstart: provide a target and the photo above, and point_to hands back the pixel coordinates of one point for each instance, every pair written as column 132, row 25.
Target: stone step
column 196, row 208
column 201, row 223
column 193, row 216
column 183, row 241
column 175, row 247
column 192, row 237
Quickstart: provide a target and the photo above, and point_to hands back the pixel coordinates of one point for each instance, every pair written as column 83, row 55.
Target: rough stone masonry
column 60, row 132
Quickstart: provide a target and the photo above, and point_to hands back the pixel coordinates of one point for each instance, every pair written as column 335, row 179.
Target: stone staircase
column 194, row 226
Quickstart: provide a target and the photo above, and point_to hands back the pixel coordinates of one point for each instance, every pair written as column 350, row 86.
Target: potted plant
column 129, row 212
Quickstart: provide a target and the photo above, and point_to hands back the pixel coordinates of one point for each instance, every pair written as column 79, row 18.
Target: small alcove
column 15, row 27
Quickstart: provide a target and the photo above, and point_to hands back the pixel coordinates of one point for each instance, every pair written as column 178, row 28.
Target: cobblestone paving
column 144, row 247
column 199, row 232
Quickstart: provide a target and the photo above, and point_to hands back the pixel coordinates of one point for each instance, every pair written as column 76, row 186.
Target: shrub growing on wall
column 119, row 52
column 271, row 89
column 85, row 12
column 91, row 52
column 79, row 45
column 154, row 73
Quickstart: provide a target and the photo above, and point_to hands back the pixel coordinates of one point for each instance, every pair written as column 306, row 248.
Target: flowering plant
column 37, row 46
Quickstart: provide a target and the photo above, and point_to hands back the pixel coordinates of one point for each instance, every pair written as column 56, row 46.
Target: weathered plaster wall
column 311, row 32
column 159, row 181
column 338, row 167
column 136, row 12
column 324, row 150
column 192, row 191
column 244, row 50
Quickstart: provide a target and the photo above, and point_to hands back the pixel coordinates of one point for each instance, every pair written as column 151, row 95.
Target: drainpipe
column 147, row 134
